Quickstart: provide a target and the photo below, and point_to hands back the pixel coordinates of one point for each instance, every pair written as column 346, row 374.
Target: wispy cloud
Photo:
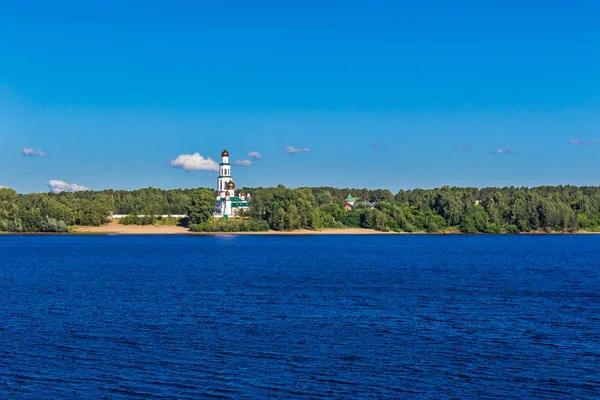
column 294, row 150
column 194, row 162
column 243, row 163
column 60, row 186
column 376, row 145
column 254, row 155
column 464, row 146
column 582, row 142
column 30, row 152
column 3, row 187
column 504, row 151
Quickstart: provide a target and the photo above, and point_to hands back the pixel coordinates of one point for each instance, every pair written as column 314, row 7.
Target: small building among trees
column 349, row 202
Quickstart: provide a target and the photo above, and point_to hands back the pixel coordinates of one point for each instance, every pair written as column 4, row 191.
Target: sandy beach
column 116, row 228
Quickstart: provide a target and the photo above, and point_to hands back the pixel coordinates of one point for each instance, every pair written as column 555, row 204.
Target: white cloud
column 3, row 187
column 194, row 162
column 243, row 163
column 581, row 142
column 294, row 150
column 60, row 186
column 32, row 152
column 502, row 151
column 254, row 154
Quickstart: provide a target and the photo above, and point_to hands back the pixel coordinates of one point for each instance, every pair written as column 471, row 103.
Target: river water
column 404, row 316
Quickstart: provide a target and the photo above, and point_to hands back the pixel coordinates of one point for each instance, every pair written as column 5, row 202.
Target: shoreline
column 118, row 229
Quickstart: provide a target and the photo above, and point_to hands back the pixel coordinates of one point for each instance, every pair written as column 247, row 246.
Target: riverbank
column 118, row 229
column 115, row 228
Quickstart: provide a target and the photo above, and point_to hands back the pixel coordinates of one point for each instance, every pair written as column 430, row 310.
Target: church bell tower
column 225, row 185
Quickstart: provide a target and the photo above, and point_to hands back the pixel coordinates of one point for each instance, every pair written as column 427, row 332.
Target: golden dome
column 224, row 153
column 231, row 185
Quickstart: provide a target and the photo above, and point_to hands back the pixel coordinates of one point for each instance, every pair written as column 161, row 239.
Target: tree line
column 469, row 210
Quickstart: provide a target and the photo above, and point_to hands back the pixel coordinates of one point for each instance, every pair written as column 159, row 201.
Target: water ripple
column 312, row 317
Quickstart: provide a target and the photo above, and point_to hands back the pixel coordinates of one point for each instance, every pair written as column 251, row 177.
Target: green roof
column 235, row 201
column 350, row 198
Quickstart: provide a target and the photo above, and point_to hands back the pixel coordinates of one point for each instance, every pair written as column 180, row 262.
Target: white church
column 228, row 205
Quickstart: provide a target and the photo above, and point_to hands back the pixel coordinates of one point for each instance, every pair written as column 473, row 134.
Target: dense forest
column 469, row 210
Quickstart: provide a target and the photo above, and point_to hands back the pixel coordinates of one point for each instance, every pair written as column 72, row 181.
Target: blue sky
column 384, row 94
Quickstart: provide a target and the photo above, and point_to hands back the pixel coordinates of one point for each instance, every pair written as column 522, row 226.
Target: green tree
column 201, row 206
column 376, row 219
column 324, row 198
column 276, row 216
column 292, row 218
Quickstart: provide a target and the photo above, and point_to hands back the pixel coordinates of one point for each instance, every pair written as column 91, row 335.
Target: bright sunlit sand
column 116, row 228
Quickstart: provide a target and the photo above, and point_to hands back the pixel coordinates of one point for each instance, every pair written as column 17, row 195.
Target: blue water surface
column 187, row 317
